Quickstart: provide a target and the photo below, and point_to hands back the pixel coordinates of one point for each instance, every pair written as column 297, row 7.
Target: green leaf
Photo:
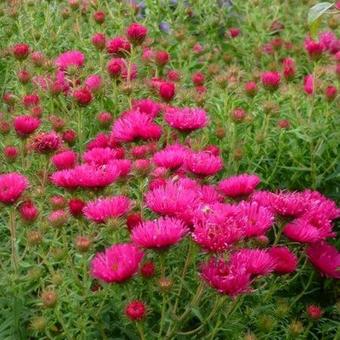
column 315, row 14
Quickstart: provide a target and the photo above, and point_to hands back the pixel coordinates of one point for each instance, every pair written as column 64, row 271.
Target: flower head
column 64, row 160
column 203, row 163
column 103, row 209
column 159, row 234
column 186, row 119
column 135, row 310
column 136, row 33
column 46, row 142
column 226, row 278
column 271, row 80
column 325, row 258
column 241, row 185
column 102, row 156
column 172, row 157
column 70, row 58
column 285, row 261
column 12, row 185
column 117, row 263
column 26, row 125
column 135, row 125
column 118, row 46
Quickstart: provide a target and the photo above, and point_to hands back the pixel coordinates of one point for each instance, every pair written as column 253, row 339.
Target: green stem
column 184, row 271
column 12, row 229
column 140, row 330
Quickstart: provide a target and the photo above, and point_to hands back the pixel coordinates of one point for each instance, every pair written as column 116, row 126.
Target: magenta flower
column 257, row 219
column 135, row 125
column 325, row 258
column 70, row 58
column 46, row 142
column 308, row 84
column 146, row 106
column 313, row 48
column 228, row 279
column 173, row 199
column 258, row 262
column 119, row 68
column 103, row 209
column 203, row 163
column 117, row 263
column 271, row 80
column 26, row 125
column 102, row 156
column 12, row 185
column 159, row 234
column 217, row 227
column 64, row 160
column 301, row 230
column 118, row 46
column 186, row 119
column 93, row 82
column 86, row 176
column 172, row 157
column 136, row 33
column 285, row 261
column 241, row 185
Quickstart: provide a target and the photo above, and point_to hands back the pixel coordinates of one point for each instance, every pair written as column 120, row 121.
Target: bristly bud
column 99, row 17
column 266, row 323
column 11, row 153
column 34, row 237
column 49, row 298
column 104, row 119
column 296, row 328
column 75, row 206
column 82, row 243
column 34, row 274
column 58, row 218
column 135, row 310
column 283, row 124
column 57, row 279
column 28, row 211
column 148, row 269
column 165, row 284
column 38, row 324
column 24, row 76
column 21, row 51
column 238, row 115
column 57, row 202
column 314, row 312
column 69, row 137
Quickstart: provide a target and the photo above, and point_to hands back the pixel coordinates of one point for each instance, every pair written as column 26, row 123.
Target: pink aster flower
column 159, row 234
column 93, row 82
column 101, row 156
column 289, row 68
column 285, row 261
column 258, row 262
column 26, row 125
column 282, row 203
column 86, row 176
column 217, row 227
column 313, row 48
column 136, row 33
column 124, row 166
column 225, row 278
column 186, row 119
column 257, row 219
column 100, row 141
column 64, row 160
column 173, row 199
column 135, row 125
column 308, row 84
column 271, row 80
column 46, row 142
column 70, row 58
column 117, row 263
column 103, row 209
column 172, row 157
column 327, row 39
column 147, row 106
column 119, row 68
column 241, row 185
column 12, row 185
column 325, row 258
column 118, row 46
column 203, row 163
column 209, row 195
column 301, row 230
